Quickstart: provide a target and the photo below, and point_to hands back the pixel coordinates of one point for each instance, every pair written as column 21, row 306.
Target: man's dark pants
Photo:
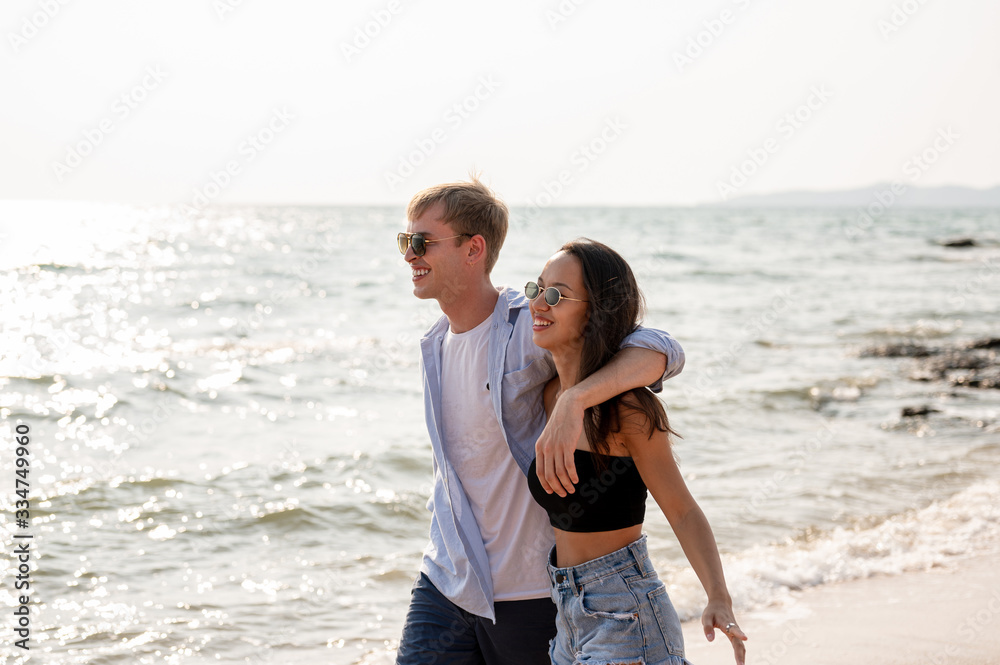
column 439, row 632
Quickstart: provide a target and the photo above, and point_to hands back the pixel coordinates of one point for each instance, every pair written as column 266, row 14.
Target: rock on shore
column 973, row 365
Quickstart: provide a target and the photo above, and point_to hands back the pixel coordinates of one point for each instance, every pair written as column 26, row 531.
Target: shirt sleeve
column 658, row 340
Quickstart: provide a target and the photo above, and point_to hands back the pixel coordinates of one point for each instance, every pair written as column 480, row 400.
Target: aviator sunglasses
column 552, row 295
column 418, row 242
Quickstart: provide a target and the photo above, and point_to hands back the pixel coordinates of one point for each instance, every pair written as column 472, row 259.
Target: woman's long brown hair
column 616, row 308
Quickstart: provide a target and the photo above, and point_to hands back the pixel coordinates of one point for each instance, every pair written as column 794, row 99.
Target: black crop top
column 615, row 498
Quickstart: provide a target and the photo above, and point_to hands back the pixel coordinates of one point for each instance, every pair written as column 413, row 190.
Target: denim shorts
column 614, row 609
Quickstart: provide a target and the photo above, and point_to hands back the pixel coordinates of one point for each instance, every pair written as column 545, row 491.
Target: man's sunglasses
column 419, row 243
column 552, row 295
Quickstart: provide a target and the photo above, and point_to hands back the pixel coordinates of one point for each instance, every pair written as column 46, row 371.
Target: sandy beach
column 946, row 615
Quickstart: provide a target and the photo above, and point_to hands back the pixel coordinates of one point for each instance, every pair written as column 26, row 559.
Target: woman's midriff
column 574, row 548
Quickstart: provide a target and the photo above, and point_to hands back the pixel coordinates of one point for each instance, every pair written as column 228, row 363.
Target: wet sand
column 945, row 615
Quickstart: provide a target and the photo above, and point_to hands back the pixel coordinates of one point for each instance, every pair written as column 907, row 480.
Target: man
column 483, row 591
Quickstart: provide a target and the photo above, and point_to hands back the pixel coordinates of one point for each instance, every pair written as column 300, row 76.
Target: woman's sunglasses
column 419, row 243
column 552, row 295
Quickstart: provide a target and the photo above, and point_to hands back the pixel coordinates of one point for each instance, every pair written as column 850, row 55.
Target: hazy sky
column 629, row 103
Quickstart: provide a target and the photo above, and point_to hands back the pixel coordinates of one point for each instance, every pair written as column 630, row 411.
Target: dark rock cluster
column 970, row 365
column 913, row 411
column 959, row 243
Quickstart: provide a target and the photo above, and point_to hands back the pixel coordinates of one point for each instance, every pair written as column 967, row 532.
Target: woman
column 612, row 607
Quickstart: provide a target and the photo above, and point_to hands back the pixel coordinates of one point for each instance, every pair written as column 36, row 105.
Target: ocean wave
column 938, row 535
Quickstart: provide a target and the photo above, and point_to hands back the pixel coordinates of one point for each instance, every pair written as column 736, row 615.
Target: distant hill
column 913, row 197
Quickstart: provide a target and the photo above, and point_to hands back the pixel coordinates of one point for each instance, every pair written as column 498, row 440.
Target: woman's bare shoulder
column 632, row 418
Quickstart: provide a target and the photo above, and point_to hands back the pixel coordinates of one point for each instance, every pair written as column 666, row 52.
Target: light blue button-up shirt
column 518, row 371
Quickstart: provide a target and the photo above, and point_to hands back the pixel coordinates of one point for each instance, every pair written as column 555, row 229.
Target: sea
column 226, row 450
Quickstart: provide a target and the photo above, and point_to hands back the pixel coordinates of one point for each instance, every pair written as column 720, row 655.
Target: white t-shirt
column 514, row 528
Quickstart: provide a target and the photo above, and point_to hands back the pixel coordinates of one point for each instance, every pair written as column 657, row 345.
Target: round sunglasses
column 552, row 295
column 418, row 242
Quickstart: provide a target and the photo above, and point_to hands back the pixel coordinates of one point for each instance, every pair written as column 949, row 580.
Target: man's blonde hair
column 469, row 207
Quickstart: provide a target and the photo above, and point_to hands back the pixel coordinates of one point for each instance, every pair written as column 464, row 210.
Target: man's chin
column 422, row 293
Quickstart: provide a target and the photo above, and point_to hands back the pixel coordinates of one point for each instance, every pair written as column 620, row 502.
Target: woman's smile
column 540, row 324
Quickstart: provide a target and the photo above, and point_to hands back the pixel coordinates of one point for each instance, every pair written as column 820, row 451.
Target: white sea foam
column 934, row 536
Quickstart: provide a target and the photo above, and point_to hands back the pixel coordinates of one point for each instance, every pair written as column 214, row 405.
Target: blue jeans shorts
column 614, row 609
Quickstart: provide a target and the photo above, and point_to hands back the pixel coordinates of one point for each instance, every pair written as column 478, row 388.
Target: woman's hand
column 555, row 448
column 719, row 614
